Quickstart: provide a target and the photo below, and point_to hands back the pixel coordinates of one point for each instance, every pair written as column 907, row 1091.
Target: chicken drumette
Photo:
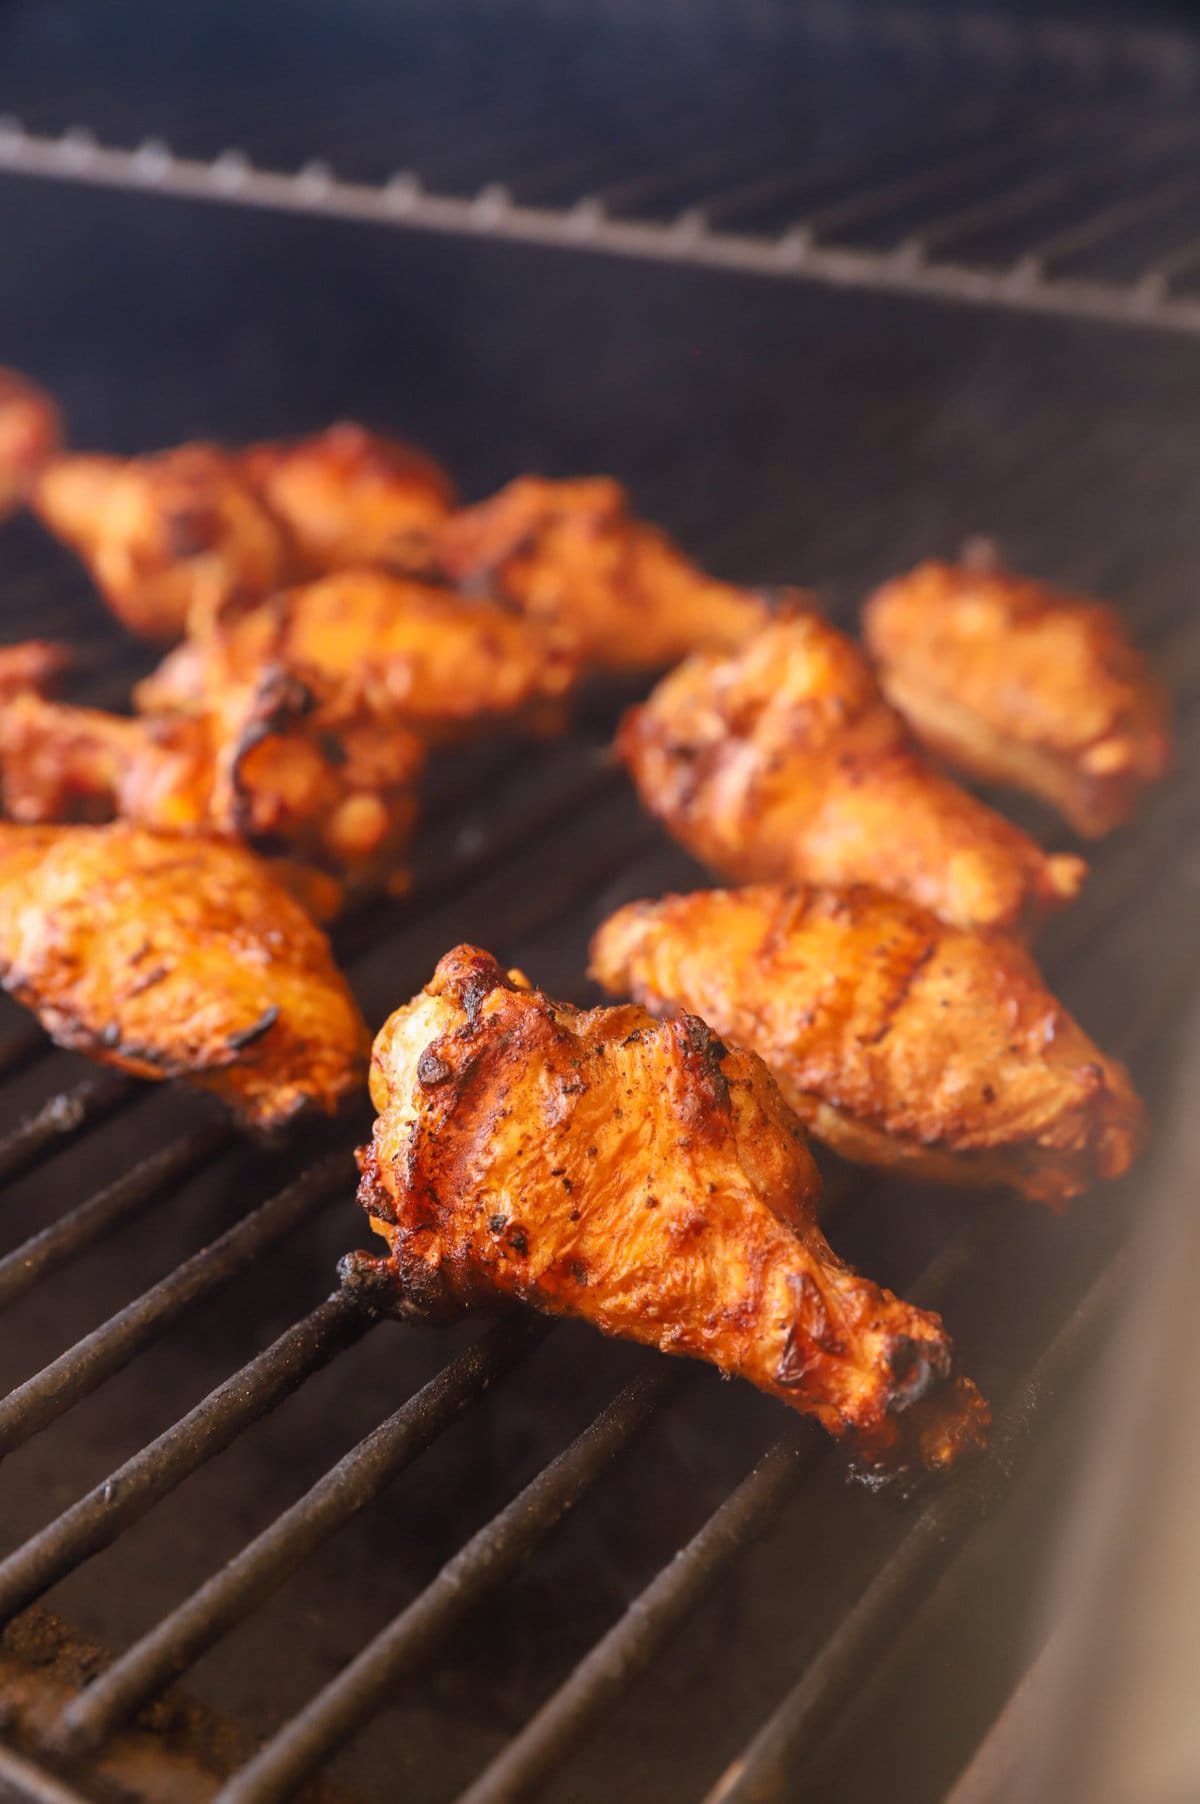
column 900, row 1041
column 30, row 433
column 328, row 790
column 176, row 957
column 350, row 496
column 174, row 537
column 571, row 554
column 1022, row 685
column 167, row 536
column 783, row 762
column 644, row 1177
column 416, row 653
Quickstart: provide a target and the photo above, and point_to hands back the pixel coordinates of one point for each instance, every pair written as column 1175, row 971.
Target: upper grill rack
column 949, row 154
column 580, row 840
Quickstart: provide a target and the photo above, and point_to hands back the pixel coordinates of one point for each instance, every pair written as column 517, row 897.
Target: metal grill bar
column 991, row 1776
column 89, row 1102
column 20, row 1779
column 766, row 1770
column 28, row 1263
column 21, row 1048
column 626, row 1650
column 402, row 202
column 254, row 1573
column 29, row 1407
column 123, row 1498
column 607, row 1672
column 482, row 1565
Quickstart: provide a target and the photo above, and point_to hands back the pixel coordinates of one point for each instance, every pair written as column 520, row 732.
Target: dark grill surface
column 481, row 1595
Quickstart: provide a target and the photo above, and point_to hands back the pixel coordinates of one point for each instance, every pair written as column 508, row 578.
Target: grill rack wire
column 1023, row 165
column 565, row 1721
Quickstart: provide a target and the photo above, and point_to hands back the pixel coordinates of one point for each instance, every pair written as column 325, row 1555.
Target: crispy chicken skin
column 290, row 773
column 172, row 957
column 424, row 655
column 1022, row 685
column 783, row 763
column 166, row 536
column 572, row 555
column 898, row 1040
column 349, row 495
column 30, row 434
column 642, row 1176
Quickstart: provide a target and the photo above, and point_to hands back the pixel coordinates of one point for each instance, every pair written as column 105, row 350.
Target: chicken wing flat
column 351, row 496
column 644, row 1177
column 166, row 536
column 1022, row 685
column 30, row 434
column 900, row 1041
column 783, row 763
column 292, row 774
column 420, row 654
column 572, row 555
column 172, row 957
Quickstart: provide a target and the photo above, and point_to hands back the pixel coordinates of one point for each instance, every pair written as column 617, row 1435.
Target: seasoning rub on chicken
column 900, row 1041
column 182, row 958
column 1022, row 685
column 173, row 537
column 573, row 556
column 299, row 775
column 349, row 495
column 783, row 763
column 443, row 664
column 642, row 1176
column 167, row 535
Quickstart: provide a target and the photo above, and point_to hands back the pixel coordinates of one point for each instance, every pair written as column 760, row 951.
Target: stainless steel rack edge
column 231, row 178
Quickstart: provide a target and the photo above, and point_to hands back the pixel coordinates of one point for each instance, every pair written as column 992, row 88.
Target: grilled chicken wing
column 644, row 1177
column 30, row 434
column 420, row 654
column 901, row 1041
column 173, row 537
column 1022, row 685
column 784, row 763
column 572, row 555
column 166, row 536
column 350, row 496
column 175, row 957
column 281, row 767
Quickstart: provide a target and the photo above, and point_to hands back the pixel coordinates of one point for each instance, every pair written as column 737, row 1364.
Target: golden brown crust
column 1023, row 685
column 281, row 767
column 30, row 434
column 166, row 536
column 349, row 495
column 172, row 957
column 642, row 1176
column 416, row 653
column 900, row 1040
column 783, row 763
column 571, row 555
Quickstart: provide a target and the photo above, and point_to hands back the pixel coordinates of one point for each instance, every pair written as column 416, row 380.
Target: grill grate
column 966, row 157
column 525, row 851
column 571, row 1714
column 939, row 153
